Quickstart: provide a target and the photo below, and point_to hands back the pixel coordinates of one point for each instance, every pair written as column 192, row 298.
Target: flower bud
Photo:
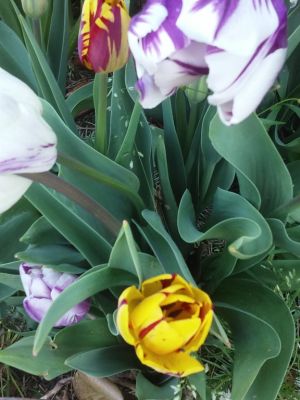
column 35, row 8
column 42, row 286
column 102, row 41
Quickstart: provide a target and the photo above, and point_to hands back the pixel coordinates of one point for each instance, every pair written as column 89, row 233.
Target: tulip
column 42, row 286
column 102, row 42
column 35, row 8
column 165, row 321
column 28, row 144
column 241, row 45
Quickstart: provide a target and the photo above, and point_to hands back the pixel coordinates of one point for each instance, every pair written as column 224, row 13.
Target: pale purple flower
column 28, row 144
column 240, row 44
column 42, row 286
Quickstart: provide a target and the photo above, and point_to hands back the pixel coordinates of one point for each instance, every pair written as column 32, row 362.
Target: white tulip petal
column 12, row 188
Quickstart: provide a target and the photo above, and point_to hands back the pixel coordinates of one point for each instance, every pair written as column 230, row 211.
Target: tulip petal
column 227, row 24
column 12, row 188
column 201, row 336
column 10, row 84
column 153, row 35
column 74, row 315
column 186, row 328
column 246, row 83
column 147, row 311
column 36, row 308
column 50, row 276
column 177, row 297
column 179, row 364
column 127, row 301
column 62, row 283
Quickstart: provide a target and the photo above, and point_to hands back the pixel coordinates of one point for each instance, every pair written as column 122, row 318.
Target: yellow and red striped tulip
column 102, row 41
column 166, row 321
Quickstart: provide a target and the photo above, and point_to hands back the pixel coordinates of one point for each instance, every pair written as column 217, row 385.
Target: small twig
column 56, row 388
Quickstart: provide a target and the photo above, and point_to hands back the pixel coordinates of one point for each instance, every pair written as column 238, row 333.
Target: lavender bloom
column 241, row 45
column 42, row 286
column 28, row 144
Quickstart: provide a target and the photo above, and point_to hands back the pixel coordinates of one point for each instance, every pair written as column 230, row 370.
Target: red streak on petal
column 167, row 282
column 149, row 328
column 124, row 301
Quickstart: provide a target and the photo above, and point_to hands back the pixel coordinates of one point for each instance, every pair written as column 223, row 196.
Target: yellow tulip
column 166, row 321
column 102, row 41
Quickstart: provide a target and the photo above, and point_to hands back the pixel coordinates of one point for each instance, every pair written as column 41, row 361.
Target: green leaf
column 106, row 361
column 12, row 281
column 14, row 57
column 58, row 41
column 41, row 232
column 81, row 99
column 8, row 15
column 13, row 224
column 83, row 288
column 238, row 144
column 173, row 150
column 66, row 220
column 50, row 362
column 163, row 246
column 198, row 381
column 246, row 304
column 281, row 238
column 51, row 255
column 145, row 390
column 6, row 292
column 293, row 30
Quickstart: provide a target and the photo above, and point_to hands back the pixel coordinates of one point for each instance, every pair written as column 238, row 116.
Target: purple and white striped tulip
column 42, row 286
column 241, row 45
column 28, row 144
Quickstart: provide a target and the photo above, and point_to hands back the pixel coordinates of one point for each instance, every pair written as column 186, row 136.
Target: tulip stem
column 54, row 182
column 100, row 103
column 37, row 31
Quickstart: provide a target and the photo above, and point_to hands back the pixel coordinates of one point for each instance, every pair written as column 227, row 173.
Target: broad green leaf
column 80, row 290
column 6, row 292
column 13, row 55
column 281, row 238
column 145, row 390
column 50, row 362
column 173, row 150
column 105, row 361
column 51, row 255
column 81, row 99
column 58, row 41
column 41, row 232
column 198, row 381
column 293, row 30
column 248, row 147
column 8, row 15
column 13, row 224
column 66, row 220
column 163, row 246
column 239, row 299
column 10, row 280
column 233, row 219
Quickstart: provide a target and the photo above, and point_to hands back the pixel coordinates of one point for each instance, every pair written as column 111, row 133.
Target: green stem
column 278, row 104
column 97, row 176
column 37, row 31
column 287, row 208
column 100, row 103
column 54, row 182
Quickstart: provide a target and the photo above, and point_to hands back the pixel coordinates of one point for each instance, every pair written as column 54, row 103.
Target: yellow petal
column 201, row 336
column 154, row 285
column 178, row 364
column 177, row 297
column 161, row 339
column 147, row 311
column 201, row 297
column 186, row 328
column 127, row 301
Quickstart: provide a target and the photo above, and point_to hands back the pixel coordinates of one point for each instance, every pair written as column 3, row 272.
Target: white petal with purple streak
column 236, row 26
